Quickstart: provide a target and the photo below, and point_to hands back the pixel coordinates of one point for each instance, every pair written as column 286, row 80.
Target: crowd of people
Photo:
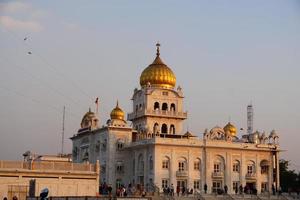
column 123, row 191
column 180, row 191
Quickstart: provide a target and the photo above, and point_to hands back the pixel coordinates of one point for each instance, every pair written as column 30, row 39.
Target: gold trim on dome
column 158, row 74
column 230, row 128
column 117, row 113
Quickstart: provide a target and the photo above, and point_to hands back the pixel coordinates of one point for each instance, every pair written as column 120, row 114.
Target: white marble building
column 156, row 151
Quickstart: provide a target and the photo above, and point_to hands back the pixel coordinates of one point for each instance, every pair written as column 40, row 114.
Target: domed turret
column 117, row 113
column 89, row 120
column 229, row 128
column 158, row 74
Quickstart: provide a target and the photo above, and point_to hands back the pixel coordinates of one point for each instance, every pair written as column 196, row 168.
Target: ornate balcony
column 217, row 175
column 250, row 176
column 157, row 113
column 180, row 173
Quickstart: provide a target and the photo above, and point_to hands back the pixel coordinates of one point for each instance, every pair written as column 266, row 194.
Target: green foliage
column 289, row 179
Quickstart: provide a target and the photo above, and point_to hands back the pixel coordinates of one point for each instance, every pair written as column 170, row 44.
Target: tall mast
column 63, row 132
column 250, row 118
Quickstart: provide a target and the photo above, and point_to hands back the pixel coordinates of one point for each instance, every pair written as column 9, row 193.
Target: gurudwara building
column 154, row 149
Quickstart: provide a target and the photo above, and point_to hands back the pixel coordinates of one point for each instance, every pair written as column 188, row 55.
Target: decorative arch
column 197, row 164
column 172, row 129
column 164, row 129
column 182, row 164
column 236, row 166
column 166, row 162
column 164, row 106
column 140, row 163
column 173, row 107
column 155, row 128
column 264, row 167
column 216, row 133
column 150, row 163
column 219, row 164
column 156, row 106
column 251, row 167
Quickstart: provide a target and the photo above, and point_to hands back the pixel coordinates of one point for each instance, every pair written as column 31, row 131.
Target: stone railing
column 180, row 173
column 48, row 165
column 250, row 176
column 159, row 113
column 217, row 174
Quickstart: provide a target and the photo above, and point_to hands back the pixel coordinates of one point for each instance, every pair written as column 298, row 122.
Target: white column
column 258, row 174
column 228, row 171
column 209, row 170
column 190, row 169
column 270, row 173
column 173, row 169
column 243, row 170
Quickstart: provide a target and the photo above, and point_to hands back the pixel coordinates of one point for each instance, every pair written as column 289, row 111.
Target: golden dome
column 158, row 74
column 230, row 128
column 117, row 113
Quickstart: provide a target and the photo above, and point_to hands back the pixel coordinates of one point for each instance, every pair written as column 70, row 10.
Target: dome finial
column 157, row 48
column 117, row 103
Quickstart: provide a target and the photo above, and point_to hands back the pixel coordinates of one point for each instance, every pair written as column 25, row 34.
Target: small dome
column 273, row 134
column 230, row 128
column 117, row 113
column 256, row 133
column 158, row 74
column 87, row 119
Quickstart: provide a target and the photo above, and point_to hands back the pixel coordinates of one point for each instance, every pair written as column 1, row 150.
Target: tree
column 289, row 179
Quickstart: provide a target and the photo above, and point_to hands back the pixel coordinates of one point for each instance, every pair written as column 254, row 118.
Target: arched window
column 236, row 166
column 219, row 164
column 172, row 129
column 250, row 167
column 155, row 128
column 136, row 108
column 141, row 164
column 164, row 106
column 150, row 163
column 140, row 106
column 264, row 166
column 197, row 164
column 173, row 108
column 133, row 166
column 164, row 128
column 182, row 164
column 156, row 106
column 166, row 163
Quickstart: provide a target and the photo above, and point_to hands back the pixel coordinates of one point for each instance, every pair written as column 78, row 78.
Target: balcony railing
column 250, row 176
column 159, row 113
column 217, row 174
column 47, row 165
column 182, row 173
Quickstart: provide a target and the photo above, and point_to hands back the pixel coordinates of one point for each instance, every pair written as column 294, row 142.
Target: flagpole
column 63, row 132
column 97, row 105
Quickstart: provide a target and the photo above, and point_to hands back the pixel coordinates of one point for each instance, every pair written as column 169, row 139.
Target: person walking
column 225, row 189
column 205, row 188
column 178, row 190
column 241, row 189
column 172, row 189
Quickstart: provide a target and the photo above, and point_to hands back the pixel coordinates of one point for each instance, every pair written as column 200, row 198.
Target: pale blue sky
column 224, row 54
